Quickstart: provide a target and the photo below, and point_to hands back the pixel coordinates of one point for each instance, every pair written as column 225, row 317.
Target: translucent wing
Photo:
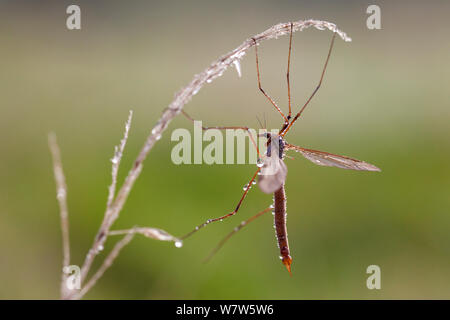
column 272, row 175
column 322, row 158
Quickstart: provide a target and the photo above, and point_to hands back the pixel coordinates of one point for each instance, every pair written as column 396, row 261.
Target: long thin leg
column 286, row 120
column 230, row 127
column 315, row 90
column 287, row 73
column 235, row 230
column 249, row 185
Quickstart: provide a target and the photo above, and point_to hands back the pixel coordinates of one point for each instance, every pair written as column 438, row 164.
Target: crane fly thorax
column 275, row 142
column 273, row 172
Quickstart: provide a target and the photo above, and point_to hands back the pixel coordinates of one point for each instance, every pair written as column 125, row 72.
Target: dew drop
column 260, row 163
column 237, row 65
column 157, row 127
column 178, row 243
column 61, row 193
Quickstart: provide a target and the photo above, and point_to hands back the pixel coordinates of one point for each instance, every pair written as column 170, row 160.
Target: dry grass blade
column 118, row 152
column 152, row 233
column 105, row 265
column 111, row 213
column 61, row 196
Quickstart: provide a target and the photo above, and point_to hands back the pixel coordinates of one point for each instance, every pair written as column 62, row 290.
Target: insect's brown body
column 271, row 180
column 279, row 199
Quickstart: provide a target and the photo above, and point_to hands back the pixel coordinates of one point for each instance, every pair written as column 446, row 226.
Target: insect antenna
column 259, row 122
column 235, row 230
column 265, row 121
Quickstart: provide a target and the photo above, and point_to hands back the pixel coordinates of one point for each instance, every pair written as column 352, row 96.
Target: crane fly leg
column 247, row 188
column 315, row 90
column 286, row 120
column 235, row 230
column 247, row 129
column 287, row 74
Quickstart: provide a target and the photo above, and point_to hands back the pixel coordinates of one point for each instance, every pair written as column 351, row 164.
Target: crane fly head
column 275, row 142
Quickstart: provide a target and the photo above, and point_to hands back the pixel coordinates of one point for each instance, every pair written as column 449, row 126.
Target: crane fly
column 272, row 171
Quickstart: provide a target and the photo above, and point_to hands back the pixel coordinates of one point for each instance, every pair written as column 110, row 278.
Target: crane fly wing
column 322, row 158
column 273, row 174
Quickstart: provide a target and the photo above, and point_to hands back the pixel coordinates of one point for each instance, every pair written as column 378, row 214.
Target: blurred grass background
column 385, row 100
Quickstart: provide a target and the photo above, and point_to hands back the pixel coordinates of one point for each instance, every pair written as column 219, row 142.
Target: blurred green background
column 385, row 99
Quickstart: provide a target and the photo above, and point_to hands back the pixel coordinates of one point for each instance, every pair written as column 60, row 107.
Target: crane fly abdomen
column 271, row 180
column 280, row 226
